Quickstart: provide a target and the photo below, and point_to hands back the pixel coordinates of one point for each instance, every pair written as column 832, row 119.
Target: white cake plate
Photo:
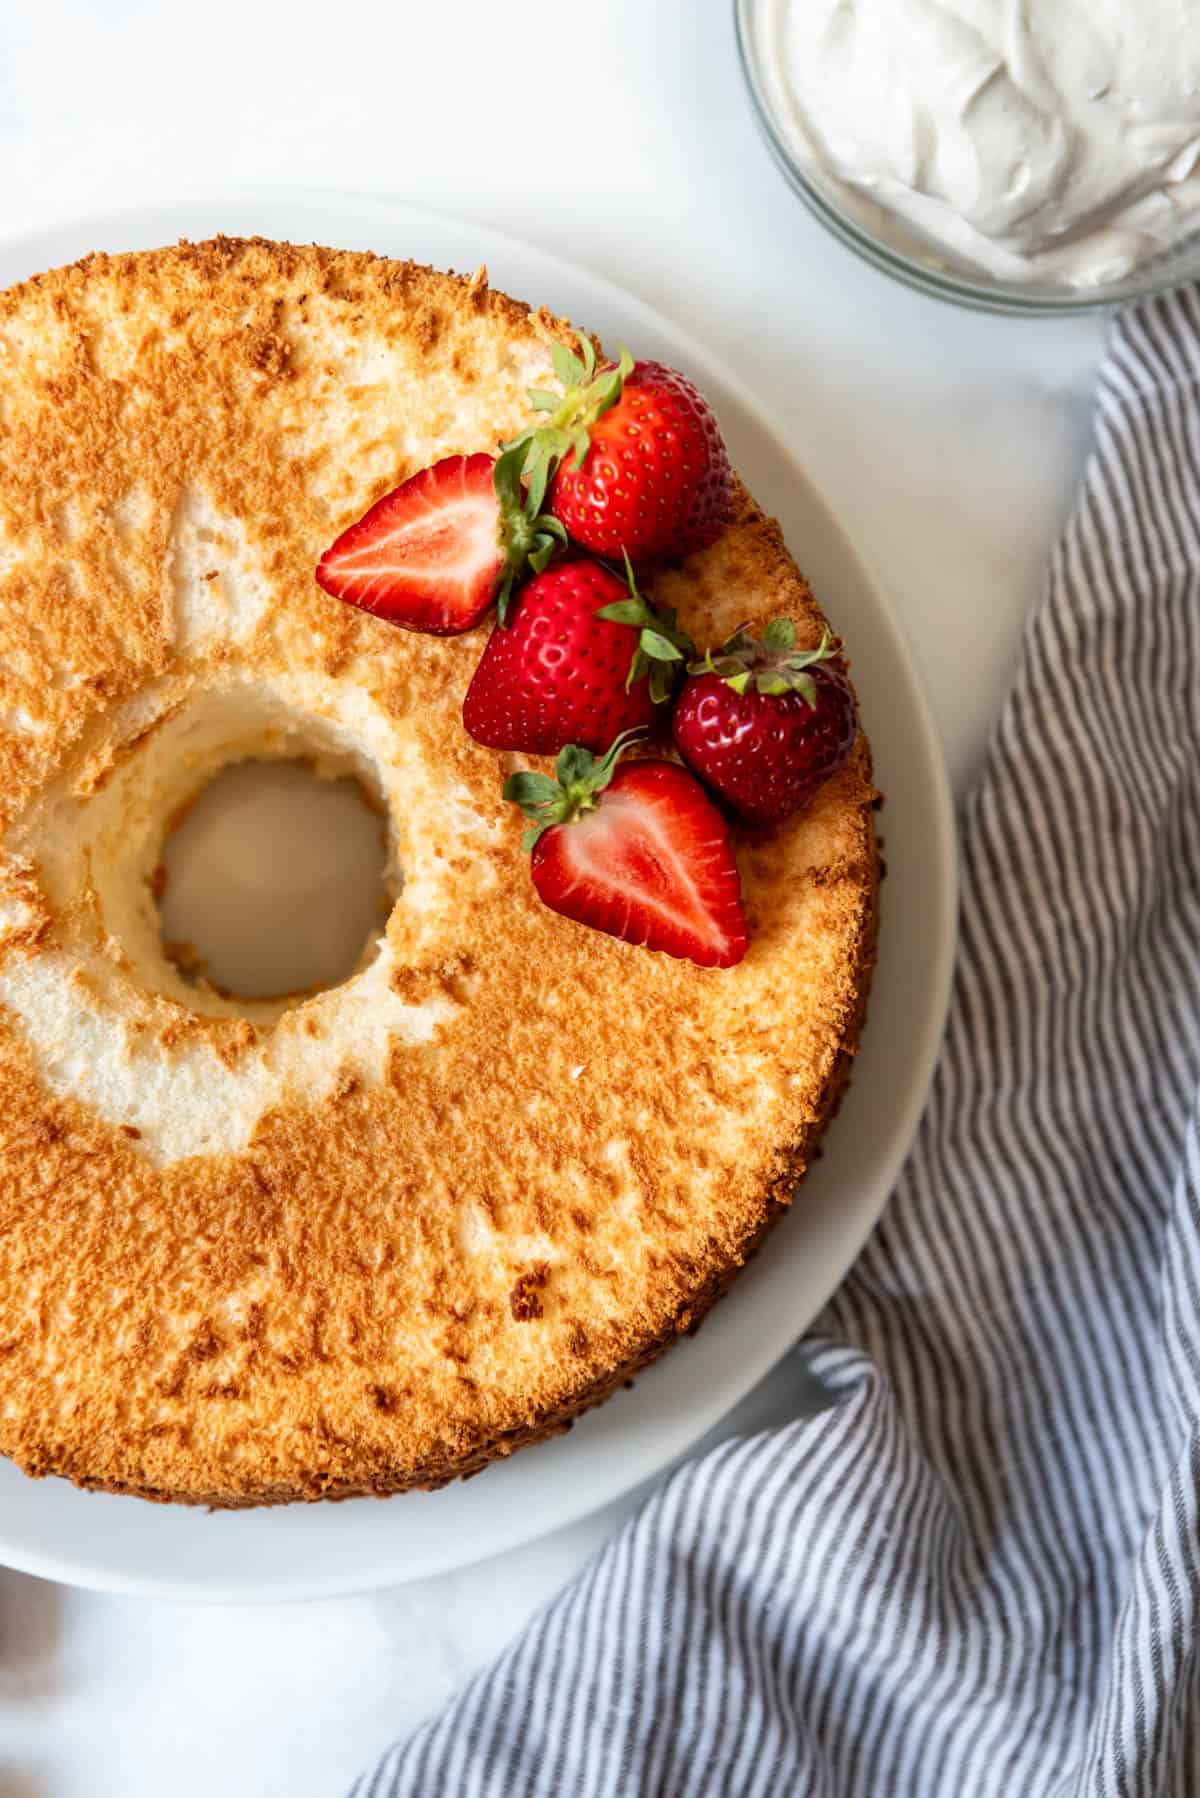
column 124, row 1545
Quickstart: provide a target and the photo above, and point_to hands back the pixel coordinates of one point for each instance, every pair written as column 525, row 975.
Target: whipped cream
column 1035, row 140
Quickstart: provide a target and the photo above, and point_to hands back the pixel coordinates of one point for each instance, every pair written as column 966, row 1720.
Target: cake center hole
column 273, row 882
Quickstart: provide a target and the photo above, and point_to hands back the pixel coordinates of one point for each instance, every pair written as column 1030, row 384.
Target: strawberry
column 638, row 851
column 633, row 458
column 765, row 723
column 584, row 659
column 434, row 553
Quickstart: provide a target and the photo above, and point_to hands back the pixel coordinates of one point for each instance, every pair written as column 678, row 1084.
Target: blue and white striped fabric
column 978, row 1572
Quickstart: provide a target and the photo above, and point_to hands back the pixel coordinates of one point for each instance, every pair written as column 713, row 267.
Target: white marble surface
column 949, row 444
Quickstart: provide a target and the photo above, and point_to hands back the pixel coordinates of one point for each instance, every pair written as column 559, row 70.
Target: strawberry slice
column 436, row 552
column 638, row 851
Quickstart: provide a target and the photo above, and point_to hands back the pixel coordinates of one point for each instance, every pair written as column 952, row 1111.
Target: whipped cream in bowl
column 1028, row 155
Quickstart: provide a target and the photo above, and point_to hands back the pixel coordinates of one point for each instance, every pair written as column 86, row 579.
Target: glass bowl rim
column 979, row 295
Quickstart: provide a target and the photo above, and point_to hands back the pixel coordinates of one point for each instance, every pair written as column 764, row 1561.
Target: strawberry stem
column 529, row 537
column 586, row 396
column 772, row 662
column 579, row 779
column 661, row 650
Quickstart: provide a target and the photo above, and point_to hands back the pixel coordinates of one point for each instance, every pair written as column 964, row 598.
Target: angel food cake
column 374, row 1237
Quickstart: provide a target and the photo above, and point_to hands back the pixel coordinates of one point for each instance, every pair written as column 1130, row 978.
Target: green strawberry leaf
column 535, row 492
column 528, row 538
column 530, row 790
column 659, row 648
column 725, row 666
column 606, row 767
column 570, row 415
column 658, row 640
column 506, row 478
column 780, row 635
column 567, row 367
column 628, row 611
column 504, row 595
column 580, row 779
column 573, row 764
column 774, row 663
column 662, row 682
column 548, row 545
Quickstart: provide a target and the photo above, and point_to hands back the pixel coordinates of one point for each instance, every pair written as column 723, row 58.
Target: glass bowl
column 885, row 241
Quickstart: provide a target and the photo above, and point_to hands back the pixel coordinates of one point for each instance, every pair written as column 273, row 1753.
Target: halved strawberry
column 584, row 658
column 436, row 552
column 638, row 851
column 633, row 458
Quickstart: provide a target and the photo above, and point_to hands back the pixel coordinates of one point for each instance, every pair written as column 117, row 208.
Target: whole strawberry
column 764, row 724
column 583, row 658
column 640, row 852
column 633, row 457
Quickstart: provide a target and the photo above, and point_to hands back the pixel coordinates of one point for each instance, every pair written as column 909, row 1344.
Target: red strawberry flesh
column 650, row 864
column 427, row 556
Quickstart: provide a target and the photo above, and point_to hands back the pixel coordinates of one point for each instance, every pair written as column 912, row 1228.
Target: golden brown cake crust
column 407, row 1268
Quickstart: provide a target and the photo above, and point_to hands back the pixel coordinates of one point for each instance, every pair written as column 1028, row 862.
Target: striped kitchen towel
column 978, row 1572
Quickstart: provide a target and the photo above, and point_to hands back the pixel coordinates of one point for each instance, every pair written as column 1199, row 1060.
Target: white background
column 616, row 133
